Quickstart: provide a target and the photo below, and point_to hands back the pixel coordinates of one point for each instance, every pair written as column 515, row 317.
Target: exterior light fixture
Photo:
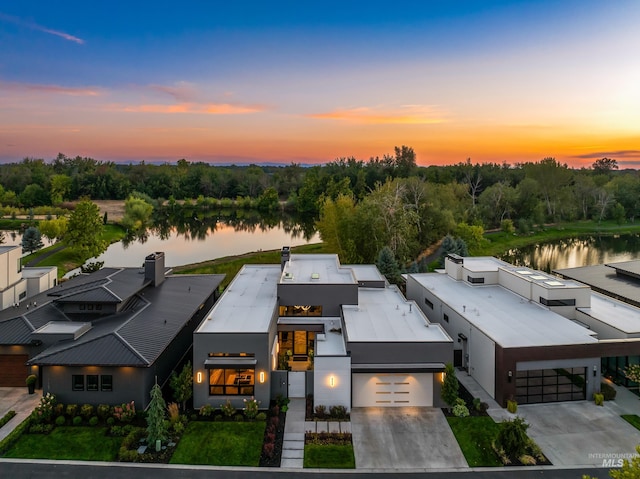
column 510, row 375
column 595, row 371
column 199, row 377
column 261, row 377
column 332, row 381
column 442, row 376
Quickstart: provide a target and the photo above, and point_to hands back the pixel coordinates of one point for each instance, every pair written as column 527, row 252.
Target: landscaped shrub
column 178, row 427
column 93, row 421
column 14, row 435
column 512, row 436
column 450, row 386
column 460, row 409
column 261, row 416
column 40, row 428
column 86, row 410
column 218, row 418
column 512, row 406
column 608, row 391
column 238, row 418
column 72, row 410
column 77, row 421
column 60, row 420
column 268, row 449
column 7, row 417
column 206, row 410
column 227, row 409
column 599, row 399
column 476, row 404
column 483, row 407
column 103, row 411
column 321, row 411
column 274, row 421
column 44, row 410
column 58, row 410
column 251, row 407
column 338, row 412
column 527, row 460
column 125, row 413
column 110, row 421
column 174, row 412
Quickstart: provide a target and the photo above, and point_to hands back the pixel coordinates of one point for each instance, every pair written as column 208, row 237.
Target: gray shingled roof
column 100, row 294
column 138, row 336
column 15, row 331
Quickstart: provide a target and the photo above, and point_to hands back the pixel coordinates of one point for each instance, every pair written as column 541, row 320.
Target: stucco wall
column 329, row 296
column 338, row 367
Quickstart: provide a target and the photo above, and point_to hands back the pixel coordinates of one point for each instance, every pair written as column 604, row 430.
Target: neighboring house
column 313, row 326
column 521, row 333
column 612, row 318
column 109, row 336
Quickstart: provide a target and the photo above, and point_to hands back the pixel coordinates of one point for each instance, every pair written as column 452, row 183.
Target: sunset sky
column 308, row 82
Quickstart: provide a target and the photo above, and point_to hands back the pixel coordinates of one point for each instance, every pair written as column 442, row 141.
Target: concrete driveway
column 403, row 438
column 580, row 433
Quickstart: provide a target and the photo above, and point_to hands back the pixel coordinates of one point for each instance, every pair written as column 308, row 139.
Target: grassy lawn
column 474, row 435
column 632, row 419
column 78, row 443
column 221, row 444
column 230, row 265
column 64, row 259
column 330, row 456
column 500, row 242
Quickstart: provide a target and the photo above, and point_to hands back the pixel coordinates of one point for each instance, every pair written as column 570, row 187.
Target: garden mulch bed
column 463, row 393
column 273, row 460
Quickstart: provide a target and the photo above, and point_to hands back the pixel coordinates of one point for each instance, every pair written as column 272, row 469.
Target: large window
column 77, row 382
column 473, row 280
column 549, row 385
column 557, row 302
column 231, row 382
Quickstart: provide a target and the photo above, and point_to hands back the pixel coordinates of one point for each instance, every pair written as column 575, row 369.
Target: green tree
column 54, row 228
column 84, row 231
column 604, row 166
column 31, row 240
column 268, row 200
column 156, row 427
column 450, row 386
column 137, row 214
column 388, row 265
column 60, row 188
column 182, row 385
column 630, row 468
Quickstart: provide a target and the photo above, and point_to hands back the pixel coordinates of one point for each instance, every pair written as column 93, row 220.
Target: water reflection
column 200, row 236
column 574, row 252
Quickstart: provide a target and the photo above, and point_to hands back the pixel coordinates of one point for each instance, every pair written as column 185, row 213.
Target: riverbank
column 499, row 242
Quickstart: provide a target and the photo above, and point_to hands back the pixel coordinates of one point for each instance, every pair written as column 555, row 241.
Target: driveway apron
column 403, row 438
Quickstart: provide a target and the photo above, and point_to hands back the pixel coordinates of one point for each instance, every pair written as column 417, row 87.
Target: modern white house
column 313, row 326
column 17, row 284
column 525, row 334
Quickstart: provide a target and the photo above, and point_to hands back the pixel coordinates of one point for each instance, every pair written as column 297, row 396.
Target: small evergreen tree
column 31, row 240
column 512, row 436
column 156, row 427
column 388, row 265
column 182, row 385
column 450, row 386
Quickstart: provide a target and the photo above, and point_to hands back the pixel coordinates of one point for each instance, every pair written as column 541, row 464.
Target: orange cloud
column 405, row 114
column 206, row 108
column 56, row 89
column 40, row 28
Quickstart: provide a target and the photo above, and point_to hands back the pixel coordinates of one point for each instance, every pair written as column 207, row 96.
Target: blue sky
column 287, row 81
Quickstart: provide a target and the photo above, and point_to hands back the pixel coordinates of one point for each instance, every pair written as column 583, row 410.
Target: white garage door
column 392, row 389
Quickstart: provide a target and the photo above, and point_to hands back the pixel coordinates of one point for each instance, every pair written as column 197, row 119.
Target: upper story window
column 473, row 280
column 232, row 355
column 428, row 303
column 445, row 317
column 557, row 302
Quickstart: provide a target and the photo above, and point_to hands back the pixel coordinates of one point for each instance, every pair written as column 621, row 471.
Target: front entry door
column 297, row 384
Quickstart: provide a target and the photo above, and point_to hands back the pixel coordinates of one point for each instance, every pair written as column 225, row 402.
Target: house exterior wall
column 329, row 296
column 582, row 297
column 482, row 360
column 256, row 343
column 400, row 352
column 12, row 294
column 515, row 283
column 489, row 277
column 129, row 384
column 42, row 283
column 338, row 367
column 10, row 269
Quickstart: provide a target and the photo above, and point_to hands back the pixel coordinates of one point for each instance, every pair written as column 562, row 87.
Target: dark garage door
column 13, row 370
column 550, row 385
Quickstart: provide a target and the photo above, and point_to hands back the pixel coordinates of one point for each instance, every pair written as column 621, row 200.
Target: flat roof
column 8, row 248
column 629, row 268
column 247, row 305
column 62, row 327
column 384, row 315
column 316, row 268
column 36, row 272
column 616, row 314
column 366, row 272
column 481, row 263
column 504, row 316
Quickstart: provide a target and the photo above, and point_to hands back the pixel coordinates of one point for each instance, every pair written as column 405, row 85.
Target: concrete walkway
column 20, row 401
column 293, row 445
